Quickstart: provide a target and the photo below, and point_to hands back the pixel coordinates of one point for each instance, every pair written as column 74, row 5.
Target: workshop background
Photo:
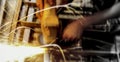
column 19, row 25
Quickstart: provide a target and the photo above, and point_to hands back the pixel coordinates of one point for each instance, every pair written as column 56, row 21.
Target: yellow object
column 49, row 23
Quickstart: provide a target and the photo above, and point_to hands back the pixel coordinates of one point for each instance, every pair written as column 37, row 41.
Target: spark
column 13, row 31
column 57, row 6
column 11, row 53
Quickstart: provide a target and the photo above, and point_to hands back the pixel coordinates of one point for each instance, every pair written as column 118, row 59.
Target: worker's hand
column 73, row 31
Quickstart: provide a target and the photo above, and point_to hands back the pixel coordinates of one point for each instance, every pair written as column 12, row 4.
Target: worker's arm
column 74, row 30
column 112, row 12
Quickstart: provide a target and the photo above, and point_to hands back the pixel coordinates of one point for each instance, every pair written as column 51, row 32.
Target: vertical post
column 46, row 56
column 30, row 17
column 15, row 19
column 22, row 17
column 2, row 6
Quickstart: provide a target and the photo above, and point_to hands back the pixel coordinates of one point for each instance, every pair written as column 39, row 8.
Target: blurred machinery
column 99, row 43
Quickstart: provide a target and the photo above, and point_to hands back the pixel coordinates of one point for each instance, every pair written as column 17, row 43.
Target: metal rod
column 117, row 49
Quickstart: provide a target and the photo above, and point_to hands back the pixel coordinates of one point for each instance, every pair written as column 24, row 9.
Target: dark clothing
column 94, row 33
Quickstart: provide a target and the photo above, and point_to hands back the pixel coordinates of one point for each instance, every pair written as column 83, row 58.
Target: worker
column 74, row 30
